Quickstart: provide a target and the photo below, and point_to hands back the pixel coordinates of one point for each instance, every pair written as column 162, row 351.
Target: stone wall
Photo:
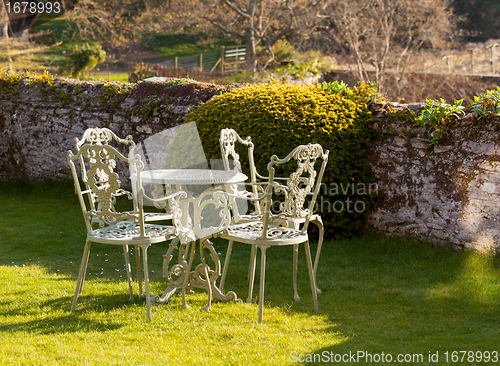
column 449, row 194
column 39, row 121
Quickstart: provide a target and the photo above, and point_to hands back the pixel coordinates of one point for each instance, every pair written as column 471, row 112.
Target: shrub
column 439, row 117
column 279, row 117
column 486, row 106
column 85, row 57
column 141, row 72
column 361, row 93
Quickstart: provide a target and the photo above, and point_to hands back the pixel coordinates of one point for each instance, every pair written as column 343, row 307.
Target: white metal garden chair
column 264, row 234
column 290, row 216
column 97, row 191
column 104, row 136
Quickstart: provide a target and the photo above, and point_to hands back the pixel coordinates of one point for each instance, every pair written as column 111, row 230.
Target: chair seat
column 249, row 217
column 276, row 219
column 252, row 233
column 129, row 231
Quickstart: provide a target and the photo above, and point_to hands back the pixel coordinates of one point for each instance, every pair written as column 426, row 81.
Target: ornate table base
column 188, row 213
column 177, row 279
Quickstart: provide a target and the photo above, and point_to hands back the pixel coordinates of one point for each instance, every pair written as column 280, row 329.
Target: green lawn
column 379, row 295
column 171, row 45
column 121, row 77
column 62, row 36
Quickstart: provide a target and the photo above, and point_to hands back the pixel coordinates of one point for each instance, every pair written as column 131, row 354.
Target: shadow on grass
column 395, row 297
column 62, row 324
column 389, row 295
column 51, row 322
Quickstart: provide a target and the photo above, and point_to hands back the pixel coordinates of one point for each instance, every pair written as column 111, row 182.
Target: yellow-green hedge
column 279, row 117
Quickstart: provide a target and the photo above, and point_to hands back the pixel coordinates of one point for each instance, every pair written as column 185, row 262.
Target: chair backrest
column 102, row 184
column 227, row 140
column 104, row 136
column 199, row 217
column 304, row 181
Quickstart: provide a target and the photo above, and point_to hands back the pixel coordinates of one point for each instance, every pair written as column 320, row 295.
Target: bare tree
column 259, row 24
column 383, row 33
column 121, row 23
column 93, row 19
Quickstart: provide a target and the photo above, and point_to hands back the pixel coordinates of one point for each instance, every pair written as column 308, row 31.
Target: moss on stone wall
column 148, row 98
column 40, row 115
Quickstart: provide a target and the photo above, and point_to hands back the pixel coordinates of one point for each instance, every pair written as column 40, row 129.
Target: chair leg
column 312, row 277
column 251, row 275
column 146, row 279
column 262, row 281
column 295, row 265
column 187, row 277
column 137, row 255
column 226, row 265
column 253, row 255
column 296, row 296
column 207, row 277
column 129, row 272
column 81, row 275
column 319, row 224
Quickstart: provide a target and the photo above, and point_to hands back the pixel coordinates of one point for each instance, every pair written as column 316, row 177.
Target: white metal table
column 192, row 176
column 176, row 274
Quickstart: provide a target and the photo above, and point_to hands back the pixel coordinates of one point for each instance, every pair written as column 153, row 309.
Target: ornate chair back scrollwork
column 303, row 182
column 98, row 195
column 104, row 136
column 231, row 160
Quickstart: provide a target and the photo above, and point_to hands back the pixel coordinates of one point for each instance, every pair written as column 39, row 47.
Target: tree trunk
column 4, row 21
column 5, row 29
column 250, row 57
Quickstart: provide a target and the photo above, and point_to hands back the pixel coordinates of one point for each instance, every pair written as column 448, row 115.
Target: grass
column 379, row 295
column 62, row 36
column 171, row 45
column 121, row 77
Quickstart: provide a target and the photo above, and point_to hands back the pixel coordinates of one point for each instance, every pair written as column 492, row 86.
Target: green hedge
column 279, row 117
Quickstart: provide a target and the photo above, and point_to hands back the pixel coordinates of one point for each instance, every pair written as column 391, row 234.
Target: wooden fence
column 178, row 72
column 233, row 58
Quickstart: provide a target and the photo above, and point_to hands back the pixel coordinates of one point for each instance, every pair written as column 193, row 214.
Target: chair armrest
column 248, row 198
column 303, row 179
column 165, row 198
